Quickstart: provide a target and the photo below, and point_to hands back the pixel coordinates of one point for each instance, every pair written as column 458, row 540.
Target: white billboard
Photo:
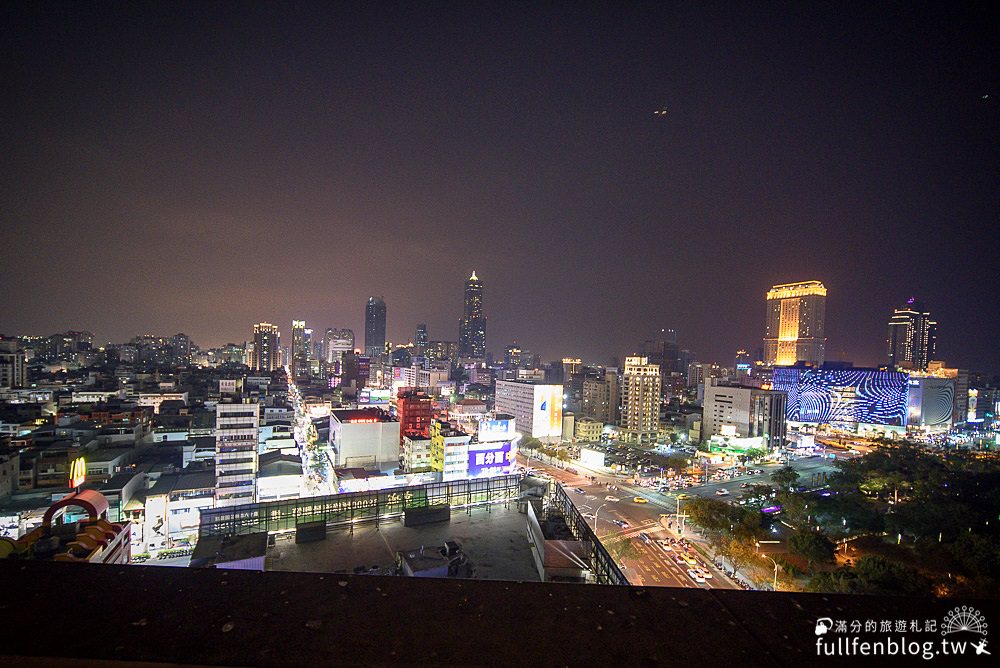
column 547, row 416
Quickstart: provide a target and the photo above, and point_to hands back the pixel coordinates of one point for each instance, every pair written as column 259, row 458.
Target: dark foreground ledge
column 99, row 614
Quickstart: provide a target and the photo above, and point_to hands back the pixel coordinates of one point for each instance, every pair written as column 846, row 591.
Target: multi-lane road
column 653, row 566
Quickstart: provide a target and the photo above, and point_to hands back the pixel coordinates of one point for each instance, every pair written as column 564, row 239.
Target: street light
column 775, row 585
column 595, row 517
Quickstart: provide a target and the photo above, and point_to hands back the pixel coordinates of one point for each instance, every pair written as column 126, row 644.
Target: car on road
column 683, row 497
column 644, row 537
column 639, row 499
column 696, row 576
column 705, row 573
column 667, row 547
column 722, row 491
column 579, row 491
column 612, row 499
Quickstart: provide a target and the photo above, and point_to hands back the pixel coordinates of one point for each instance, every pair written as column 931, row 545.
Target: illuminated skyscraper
column 298, row 338
column 266, row 341
column 472, row 328
column 300, row 347
column 640, row 393
column 912, row 339
column 375, row 327
column 796, row 315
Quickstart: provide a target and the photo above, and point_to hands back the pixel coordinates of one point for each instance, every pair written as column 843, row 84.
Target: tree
column 622, row 548
column 785, row 477
column 813, row 545
column 674, row 438
column 678, row 462
column 709, row 514
column 755, row 454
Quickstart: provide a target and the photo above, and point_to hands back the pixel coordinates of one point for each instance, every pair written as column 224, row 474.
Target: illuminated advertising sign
column 495, row 430
column 546, row 419
column 77, row 472
column 490, row 459
column 825, row 396
column 374, row 396
column 970, row 414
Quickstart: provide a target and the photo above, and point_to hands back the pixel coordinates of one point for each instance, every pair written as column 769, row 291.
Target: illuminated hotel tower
column 796, row 314
column 472, row 328
column 912, row 337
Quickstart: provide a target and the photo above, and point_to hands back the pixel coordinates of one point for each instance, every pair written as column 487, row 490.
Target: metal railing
column 604, row 567
column 355, row 507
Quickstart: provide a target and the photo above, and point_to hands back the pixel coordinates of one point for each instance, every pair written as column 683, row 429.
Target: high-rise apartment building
column 796, row 315
column 640, row 410
column 12, row 368
column 472, row 327
column 912, row 340
column 600, row 399
column 413, row 407
column 265, row 355
column 236, row 433
column 375, row 327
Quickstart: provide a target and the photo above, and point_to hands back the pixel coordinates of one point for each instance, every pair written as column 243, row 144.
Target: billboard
column 496, row 430
column 546, row 418
column 490, row 459
column 825, row 396
column 374, row 396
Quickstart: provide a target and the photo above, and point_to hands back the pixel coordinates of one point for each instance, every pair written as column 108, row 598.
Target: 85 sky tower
column 472, row 328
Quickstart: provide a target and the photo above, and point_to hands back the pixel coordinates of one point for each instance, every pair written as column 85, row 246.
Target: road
column 653, row 566
column 317, row 471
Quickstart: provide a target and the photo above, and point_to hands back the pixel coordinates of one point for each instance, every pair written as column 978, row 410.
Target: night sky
column 202, row 166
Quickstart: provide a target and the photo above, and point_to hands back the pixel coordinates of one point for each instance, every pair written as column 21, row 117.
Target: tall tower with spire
column 472, row 327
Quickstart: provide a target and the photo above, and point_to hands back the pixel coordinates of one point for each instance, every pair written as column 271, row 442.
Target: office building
column 265, row 355
column 512, row 357
column 299, row 348
column 588, row 430
column 796, row 315
column 912, row 339
column 570, row 365
column 375, row 327
column 536, row 407
column 449, row 451
column 365, row 438
column 744, row 412
column 640, row 409
column 663, row 351
column 236, row 427
column 472, row 328
column 420, row 340
column 336, row 342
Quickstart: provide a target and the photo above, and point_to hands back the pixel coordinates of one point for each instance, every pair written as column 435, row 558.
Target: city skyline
column 857, row 147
